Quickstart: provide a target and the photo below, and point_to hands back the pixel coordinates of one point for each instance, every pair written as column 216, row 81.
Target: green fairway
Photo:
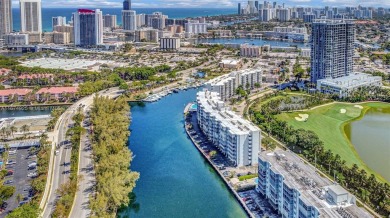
column 328, row 122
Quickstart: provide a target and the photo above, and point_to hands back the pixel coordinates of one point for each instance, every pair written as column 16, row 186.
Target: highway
column 59, row 169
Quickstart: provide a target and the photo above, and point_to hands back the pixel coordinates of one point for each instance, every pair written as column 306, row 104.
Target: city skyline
column 198, row 4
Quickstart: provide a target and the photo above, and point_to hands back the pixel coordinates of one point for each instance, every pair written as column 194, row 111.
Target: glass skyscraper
column 332, row 48
column 127, row 5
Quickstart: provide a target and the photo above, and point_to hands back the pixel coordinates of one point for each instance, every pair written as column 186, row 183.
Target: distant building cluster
column 226, row 85
column 236, row 138
column 273, row 11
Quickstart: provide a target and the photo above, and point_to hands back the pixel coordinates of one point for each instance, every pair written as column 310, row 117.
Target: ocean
column 48, row 13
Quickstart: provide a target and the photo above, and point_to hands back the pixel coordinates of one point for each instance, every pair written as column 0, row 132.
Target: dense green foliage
column 30, row 210
column 112, row 157
column 55, row 114
column 308, row 144
column 246, row 177
column 373, row 93
column 68, row 190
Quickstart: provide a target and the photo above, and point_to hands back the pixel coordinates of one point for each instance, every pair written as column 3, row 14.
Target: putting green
column 328, row 123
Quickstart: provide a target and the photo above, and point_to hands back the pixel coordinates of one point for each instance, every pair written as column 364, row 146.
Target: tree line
column 308, row 144
column 112, row 158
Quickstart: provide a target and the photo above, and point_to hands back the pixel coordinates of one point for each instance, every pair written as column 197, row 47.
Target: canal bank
column 175, row 179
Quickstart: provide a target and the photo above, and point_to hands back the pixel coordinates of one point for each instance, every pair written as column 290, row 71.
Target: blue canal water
column 48, row 13
column 23, row 113
column 260, row 42
column 175, row 179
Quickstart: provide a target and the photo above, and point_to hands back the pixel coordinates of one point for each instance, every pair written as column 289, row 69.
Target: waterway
column 175, row 179
column 260, row 42
column 22, row 113
column 371, row 138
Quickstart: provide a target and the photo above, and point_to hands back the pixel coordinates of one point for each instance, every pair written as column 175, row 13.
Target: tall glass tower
column 332, row 48
column 127, row 5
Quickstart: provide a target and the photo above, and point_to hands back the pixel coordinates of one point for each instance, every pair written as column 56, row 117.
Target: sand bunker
column 302, row 117
column 343, row 111
column 359, row 106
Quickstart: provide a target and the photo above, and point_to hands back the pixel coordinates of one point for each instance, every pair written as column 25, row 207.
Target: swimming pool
column 194, row 107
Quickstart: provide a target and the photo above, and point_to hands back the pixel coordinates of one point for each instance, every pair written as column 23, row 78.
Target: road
column 59, row 169
column 81, row 203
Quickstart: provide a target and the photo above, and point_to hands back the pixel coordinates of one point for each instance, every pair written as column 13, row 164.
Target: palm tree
column 25, row 129
column 13, row 129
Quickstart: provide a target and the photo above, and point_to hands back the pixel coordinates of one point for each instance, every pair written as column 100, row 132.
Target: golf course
column 328, row 122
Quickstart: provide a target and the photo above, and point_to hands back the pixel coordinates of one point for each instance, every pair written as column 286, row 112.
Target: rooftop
column 351, row 81
column 58, row 90
column 212, row 104
column 7, row 92
column 301, row 176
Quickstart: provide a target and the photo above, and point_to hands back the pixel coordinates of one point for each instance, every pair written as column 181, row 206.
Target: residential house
column 15, row 94
column 55, row 93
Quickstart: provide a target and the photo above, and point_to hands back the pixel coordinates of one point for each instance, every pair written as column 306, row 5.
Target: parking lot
column 22, row 164
column 258, row 205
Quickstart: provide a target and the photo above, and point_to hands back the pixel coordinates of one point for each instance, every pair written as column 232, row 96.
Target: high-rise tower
column 30, row 16
column 5, row 17
column 88, row 27
column 332, row 48
column 127, row 5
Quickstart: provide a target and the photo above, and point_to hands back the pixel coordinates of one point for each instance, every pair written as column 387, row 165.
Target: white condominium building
column 227, row 84
column 194, row 27
column 129, row 20
column 30, row 16
column 236, row 138
column 250, row 50
column 169, row 43
column 295, row 189
column 344, row 86
column 6, row 25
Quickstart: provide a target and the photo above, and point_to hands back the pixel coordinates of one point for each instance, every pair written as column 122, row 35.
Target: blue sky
column 199, row 3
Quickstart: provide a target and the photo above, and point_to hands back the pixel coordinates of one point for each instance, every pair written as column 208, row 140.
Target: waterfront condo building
column 295, row 190
column 236, row 138
column 129, row 20
column 109, row 21
column 6, row 25
column 58, row 21
column 30, row 16
column 226, row 85
column 332, row 48
column 88, row 27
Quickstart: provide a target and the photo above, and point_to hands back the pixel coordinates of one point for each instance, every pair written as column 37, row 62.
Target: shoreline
column 230, row 188
column 343, row 132
column 34, row 107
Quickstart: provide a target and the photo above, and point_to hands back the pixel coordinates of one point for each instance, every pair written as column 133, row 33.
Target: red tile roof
column 34, row 76
column 4, row 71
column 58, row 90
column 7, row 92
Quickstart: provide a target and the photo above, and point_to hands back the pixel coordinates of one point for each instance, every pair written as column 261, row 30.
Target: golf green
column 328, row 122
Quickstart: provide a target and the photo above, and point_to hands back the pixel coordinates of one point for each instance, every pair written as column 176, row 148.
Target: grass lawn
column 328, row 122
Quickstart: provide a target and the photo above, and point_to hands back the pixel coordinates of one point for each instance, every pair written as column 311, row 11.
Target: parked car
column 8, row 182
